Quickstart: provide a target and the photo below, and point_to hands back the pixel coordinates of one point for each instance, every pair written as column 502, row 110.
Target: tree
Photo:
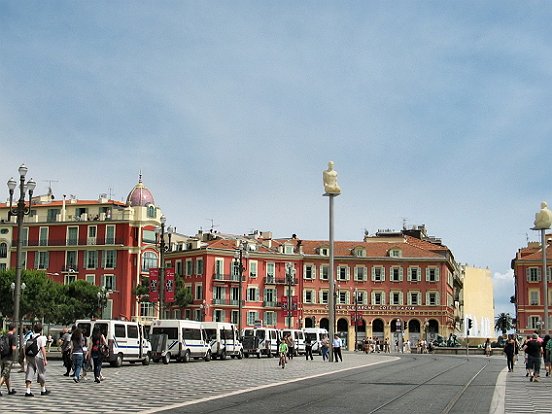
column 503, row 323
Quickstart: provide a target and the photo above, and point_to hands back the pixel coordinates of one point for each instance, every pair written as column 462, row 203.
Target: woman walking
column 509, row 350
column 77, row 343
column 97, row 341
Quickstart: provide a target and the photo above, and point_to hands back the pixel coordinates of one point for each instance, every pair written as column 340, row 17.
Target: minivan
column 224, row 340
column 178, row 339
column 298, row 337
column 260, row 341
column 316, row 335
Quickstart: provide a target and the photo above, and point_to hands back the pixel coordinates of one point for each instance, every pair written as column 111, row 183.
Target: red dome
column 140, row 196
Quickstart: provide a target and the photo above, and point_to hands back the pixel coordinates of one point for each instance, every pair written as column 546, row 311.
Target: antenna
column 110, row 193
column 50, row 192
column 404, row 220
column 213, row 225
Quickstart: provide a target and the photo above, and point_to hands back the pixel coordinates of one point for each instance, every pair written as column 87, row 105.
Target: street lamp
column 290, row 280
column 543, row 221
column 203, row 307
column 355, row 319
column 239, row 255
column 163, row 248
column 426, row 325
column 331, row 190
column 102, row 300
column 20, row 210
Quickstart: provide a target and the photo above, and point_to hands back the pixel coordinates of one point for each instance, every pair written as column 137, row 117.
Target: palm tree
column 503, row 323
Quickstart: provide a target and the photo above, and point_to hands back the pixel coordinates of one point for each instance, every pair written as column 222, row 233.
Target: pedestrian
column 22, row 360
column 77, row 354
column 308, row 348
column 509, row 351
column 533, row 350
column 325, row 347
column 487, row 347
column 282, row 353
column 65, row 346
column 35, row 355
column 546, row 348
column 527, row 367
column 6, row 361
column 336, row 346
column 97, row 342
column 291, row 346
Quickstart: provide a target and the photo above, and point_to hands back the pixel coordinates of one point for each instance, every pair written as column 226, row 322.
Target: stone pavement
column 136, row 388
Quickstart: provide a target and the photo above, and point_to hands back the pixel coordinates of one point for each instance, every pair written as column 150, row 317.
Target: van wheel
column 208, row 356
column 118, row 361
column 246, row 355
column 223, row 355
column 146, row 360
column 186, row 356
column 167, row 358
column 258, row 354
column 240, row 355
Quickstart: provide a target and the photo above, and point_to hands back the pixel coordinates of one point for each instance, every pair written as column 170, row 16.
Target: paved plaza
column 148, row 389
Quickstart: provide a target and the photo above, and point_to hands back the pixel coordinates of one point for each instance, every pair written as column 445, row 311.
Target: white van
column 178, row 339
column 260, row 341
column 224, row 340
column 316, row 335
column 126, row 339
column 298, row 337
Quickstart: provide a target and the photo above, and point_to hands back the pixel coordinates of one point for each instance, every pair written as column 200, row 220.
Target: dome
column 140, row 196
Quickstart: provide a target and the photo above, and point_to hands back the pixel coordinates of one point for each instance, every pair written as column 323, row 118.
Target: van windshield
column 211, row 334
column 310, row 336
column 172, row 333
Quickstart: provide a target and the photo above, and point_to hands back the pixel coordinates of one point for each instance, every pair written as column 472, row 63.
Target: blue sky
column 434, row 113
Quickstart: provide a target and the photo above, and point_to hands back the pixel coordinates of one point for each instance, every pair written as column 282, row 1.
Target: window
column 219, row 267
column 234, row 295
column 2, row 267
column 270, row 266
column 90, row 279
column 342, row 297
column 533, row 274
column 324, row 272
column 361, row 297
column 178, row 267
column 43, row 235
column 189, row 267
column 324, row 297
column 151, row 211
column 534, row 322
column 109, row 259
column 91, row 235
column 199, row 267
column 149, row 261
column 91, row 259
column 270, row 318
column 110, row 234
column 432, row 274
column 396, row 274
column 395, row 253
column 414, row 274
column 289, row 249
column 72, row 236
column 324, row 251
column 432, row 298
column 198, row 291
column 360, row 273
column 414, row 298
column 41, row 260
column 534, row 296
column 70, row 278
column 219, row 294
column 234, row 316
column 308, row 296
column 270, row 297
column 218, row 315
column 3, row 250
column 252, row 294
column 252, row 268
column 395, row 298
column 378, row 298
column 342, row 272
column 359, row 252
column 309, row 271
column 252, row 317
column 108, row 282
column 378, row 274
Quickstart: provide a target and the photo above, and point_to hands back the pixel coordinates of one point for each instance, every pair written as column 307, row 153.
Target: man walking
column 533, row 350
column 308, row 348
column 6, row 361
column 336, row 346
column 35, row 352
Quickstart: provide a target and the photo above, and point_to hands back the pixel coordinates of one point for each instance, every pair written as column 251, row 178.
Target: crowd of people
column 79, row 355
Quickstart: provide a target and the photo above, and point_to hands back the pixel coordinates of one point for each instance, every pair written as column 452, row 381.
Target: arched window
column 3, row 250
column 151, row 211
column 149, row 260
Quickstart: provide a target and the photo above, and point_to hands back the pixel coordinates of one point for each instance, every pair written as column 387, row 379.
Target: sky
column 434, row 113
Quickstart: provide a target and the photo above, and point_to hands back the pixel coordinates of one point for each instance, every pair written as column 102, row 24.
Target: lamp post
column 331, row 190
column 239, row 254
column 20, row 210
column 290, row 276
column 102, row 300
column 426, row 325
column 203, row 307
column 163, row 248
column 543, row 221
column 355, row 319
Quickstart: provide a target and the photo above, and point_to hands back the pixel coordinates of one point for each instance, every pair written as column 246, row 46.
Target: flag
column 153, row 285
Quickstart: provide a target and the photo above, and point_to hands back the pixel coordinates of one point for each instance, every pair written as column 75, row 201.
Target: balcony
column 220, row 302
column 69, row 268
column 227, row 278
column 270, row 280
column 284, row 281
column 92, row 241
column 270, row 304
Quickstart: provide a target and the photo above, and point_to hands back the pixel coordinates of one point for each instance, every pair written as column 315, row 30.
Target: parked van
column 316, row 335
column 298, row 337
column 126, row 340
column 178, row 339
column 224, row 340
column 260, row 341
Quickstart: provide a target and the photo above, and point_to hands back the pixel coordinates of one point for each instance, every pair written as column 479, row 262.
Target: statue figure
column 330, row 180
column 543, row 219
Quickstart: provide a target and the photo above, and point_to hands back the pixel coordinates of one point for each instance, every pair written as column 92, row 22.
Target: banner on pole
column 169, row 285
column 153, row 285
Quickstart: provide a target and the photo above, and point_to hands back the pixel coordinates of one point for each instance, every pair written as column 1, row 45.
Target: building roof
column 140, row 195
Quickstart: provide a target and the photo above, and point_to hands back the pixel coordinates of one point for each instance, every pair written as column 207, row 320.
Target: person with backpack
column 35, row 355
column 97, row 342
column 8, row 349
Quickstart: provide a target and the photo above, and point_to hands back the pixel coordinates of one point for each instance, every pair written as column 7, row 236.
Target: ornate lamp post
column 290, row 281
column 355, row 319
column 163, row 248
column 20, row 210
column 331, row 190
column 543, row 221
column 203, row 308
column 239, row 255
column 399, row 326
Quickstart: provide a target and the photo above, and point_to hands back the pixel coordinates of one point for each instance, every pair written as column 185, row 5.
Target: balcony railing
column 227, row 278
column 284, row 281
column 70, row 268
column 72, row 242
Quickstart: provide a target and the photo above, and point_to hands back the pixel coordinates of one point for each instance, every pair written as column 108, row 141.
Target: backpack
column 4, row 346
column 31, row 347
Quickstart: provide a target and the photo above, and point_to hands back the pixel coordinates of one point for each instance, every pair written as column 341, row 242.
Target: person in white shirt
column 36, row 365
column 336, row 346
